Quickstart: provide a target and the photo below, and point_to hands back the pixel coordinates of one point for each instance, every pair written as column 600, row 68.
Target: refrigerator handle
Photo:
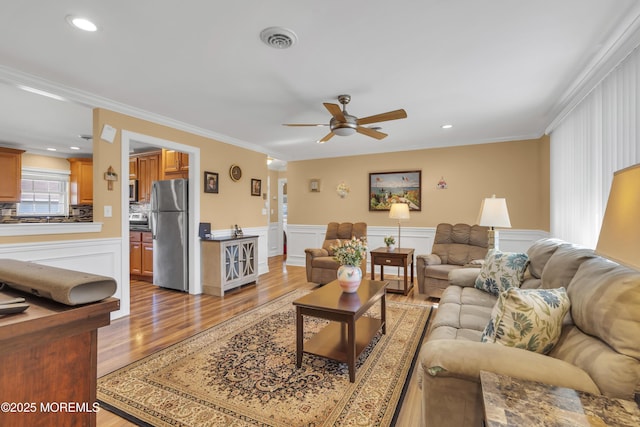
column 153, row 221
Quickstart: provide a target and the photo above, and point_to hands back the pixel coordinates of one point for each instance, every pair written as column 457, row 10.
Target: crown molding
column 90, row 100
column 622, row 42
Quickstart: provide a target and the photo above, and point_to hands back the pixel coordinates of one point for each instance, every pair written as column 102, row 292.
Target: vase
column 391, row 248
column 349, row 278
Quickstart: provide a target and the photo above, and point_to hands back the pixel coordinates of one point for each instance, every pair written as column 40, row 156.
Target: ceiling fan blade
column 335, row 111
column 371, row 132
column 327, row 137
column 391, row 115
column 305, row 124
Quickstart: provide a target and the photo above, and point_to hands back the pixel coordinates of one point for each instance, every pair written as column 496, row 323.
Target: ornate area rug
column 243, row 372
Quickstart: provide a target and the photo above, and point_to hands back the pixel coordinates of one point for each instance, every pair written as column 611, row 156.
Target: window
column 44, row 193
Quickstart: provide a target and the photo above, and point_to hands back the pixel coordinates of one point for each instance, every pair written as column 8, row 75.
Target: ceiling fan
column 344, row 124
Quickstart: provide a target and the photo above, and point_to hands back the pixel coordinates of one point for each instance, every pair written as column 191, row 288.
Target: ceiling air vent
column 278, row 37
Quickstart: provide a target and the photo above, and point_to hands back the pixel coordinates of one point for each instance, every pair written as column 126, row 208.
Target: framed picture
column 210, row 182
column 314, row 185
column 256, row 187
column 386, row 188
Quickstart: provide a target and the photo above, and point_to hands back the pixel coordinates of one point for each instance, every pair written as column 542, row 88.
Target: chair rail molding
column 302, row 236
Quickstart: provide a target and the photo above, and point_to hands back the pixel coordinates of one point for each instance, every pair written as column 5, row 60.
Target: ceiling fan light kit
column 344, row 124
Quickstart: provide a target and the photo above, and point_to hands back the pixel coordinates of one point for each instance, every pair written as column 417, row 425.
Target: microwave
column 133, row 190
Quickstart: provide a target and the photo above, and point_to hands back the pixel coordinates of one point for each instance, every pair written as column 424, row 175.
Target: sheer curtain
column 599, row 137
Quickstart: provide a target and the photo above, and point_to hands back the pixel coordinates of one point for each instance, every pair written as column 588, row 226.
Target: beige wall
column 44, row 162
column 232, row 205
column 517, row 170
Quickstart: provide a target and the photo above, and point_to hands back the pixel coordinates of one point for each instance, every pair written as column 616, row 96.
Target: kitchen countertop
column 227, row 238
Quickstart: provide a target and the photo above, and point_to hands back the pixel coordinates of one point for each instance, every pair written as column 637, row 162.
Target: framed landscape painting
column 386, row 188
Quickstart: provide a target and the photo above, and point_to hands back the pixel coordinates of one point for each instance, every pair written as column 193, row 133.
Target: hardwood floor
column 161, row 317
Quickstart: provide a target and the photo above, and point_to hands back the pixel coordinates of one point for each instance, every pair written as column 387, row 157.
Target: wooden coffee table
column 348, row 333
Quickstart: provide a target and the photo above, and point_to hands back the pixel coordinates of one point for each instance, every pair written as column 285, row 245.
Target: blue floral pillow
column 501, row 271
column 530, row 319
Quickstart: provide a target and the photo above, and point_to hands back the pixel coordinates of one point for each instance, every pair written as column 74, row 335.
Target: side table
column 399, row 257
column 515, row 402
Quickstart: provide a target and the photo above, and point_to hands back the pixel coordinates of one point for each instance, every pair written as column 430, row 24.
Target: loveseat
column 321, row 268
column 598, row 350
column 454, row 246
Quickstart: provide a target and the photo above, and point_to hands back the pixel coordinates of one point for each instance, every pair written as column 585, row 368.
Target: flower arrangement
column 350, row 252
column 342, row 189
column 389, row 240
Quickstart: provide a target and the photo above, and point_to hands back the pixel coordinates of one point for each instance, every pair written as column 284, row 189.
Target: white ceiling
column 495, row 69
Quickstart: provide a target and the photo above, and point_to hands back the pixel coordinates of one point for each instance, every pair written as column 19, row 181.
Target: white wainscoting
column 300, row 237
column 275, row 244
column 96, row 256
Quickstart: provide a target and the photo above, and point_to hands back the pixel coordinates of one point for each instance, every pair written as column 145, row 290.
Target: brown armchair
column 454, row 246
column 321, row 267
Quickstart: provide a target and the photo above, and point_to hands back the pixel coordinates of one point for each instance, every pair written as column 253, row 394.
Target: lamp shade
column 619, row 238
column 399, row 211
column 494, row 213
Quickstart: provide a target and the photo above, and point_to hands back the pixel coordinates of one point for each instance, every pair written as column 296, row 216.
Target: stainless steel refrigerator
column 169, row 223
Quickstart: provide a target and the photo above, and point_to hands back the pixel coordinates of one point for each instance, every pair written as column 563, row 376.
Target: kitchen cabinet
column 81, row 181
column 133, row 167
column 175, row 164
column 11, row 167
column 141, row 255
column 148, row 171
column 228, row 263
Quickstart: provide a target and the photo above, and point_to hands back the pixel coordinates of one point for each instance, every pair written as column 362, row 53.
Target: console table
column 48, row 361
column 399, row 257
column 514, row 402
column 228, row 262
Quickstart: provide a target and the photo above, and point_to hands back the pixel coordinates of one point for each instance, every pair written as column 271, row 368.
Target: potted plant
column 349, row 254
column 390, row 241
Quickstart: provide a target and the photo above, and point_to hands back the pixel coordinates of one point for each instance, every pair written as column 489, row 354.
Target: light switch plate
column 108, row 212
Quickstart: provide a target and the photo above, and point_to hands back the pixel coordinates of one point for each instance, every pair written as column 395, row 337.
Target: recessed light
column 74, row 148
column 51, row 149
column 446, row 126
column 82, row 23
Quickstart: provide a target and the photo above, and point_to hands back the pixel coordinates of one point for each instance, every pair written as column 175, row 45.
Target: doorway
column 129, row 138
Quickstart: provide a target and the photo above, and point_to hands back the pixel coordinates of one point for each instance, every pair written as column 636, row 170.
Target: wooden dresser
column 48, row 362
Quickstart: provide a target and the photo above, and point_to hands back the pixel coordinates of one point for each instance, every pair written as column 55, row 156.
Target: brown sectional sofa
column 454, row 246
column 598, row 351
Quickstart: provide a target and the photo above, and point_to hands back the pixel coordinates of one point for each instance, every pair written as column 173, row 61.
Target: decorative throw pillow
column 530, row 319
column 501, row 271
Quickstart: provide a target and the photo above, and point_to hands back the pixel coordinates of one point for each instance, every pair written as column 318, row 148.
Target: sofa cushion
column 605, row 300
column 530, row 319
column 501, row 271
column 539, row 253
column 563, row 264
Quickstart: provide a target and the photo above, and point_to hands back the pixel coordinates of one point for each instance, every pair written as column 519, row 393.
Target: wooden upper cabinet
column 175, row 164
column 133, row 168
column 11, row 173
column 148, row 171
column 81, row 181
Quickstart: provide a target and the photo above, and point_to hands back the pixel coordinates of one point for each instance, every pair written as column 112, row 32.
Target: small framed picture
column 256, row 187
column 314, row 185
column 210, row 182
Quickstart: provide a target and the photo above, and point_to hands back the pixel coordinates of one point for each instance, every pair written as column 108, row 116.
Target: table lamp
column 494, row 213
column 619, row 238
column 399, row 211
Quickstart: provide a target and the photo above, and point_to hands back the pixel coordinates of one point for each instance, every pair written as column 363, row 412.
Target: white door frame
column 195, row 283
